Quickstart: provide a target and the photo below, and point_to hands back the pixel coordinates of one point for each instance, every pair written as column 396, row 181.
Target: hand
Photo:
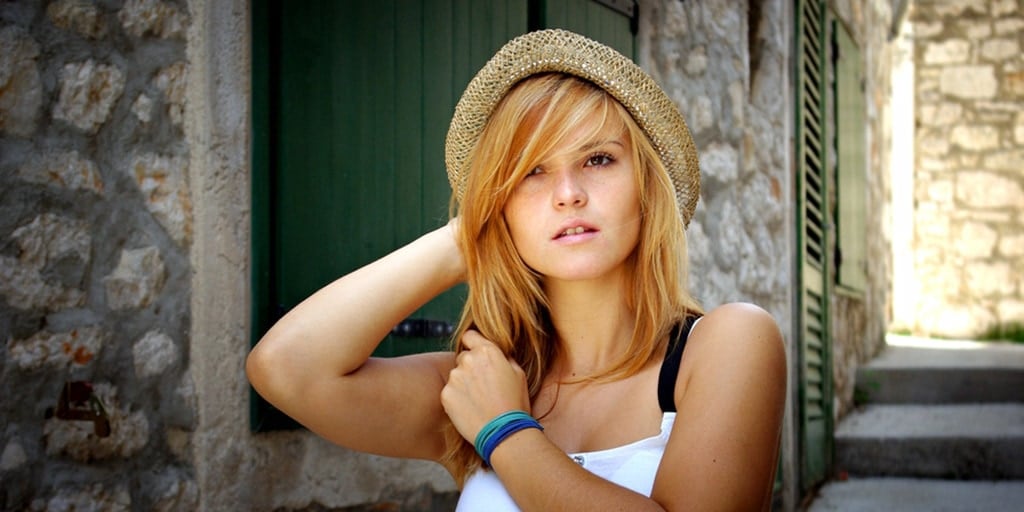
column 483, row 384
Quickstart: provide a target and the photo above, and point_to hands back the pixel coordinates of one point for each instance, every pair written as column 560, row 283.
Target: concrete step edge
column 1001, row 420
column 918, row 495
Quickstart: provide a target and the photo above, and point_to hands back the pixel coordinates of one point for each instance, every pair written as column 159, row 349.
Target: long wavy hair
column 506, row 301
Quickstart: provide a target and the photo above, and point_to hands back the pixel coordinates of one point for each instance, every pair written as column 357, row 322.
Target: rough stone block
column 177, row 494
column 13, row 456
column 941, row 114
column 701, row 116
column 1018, row 129
column 1004, row 7
column 75, row 348
column 137, row 280
column 975, row 137
column 1004, row 160
column 82, row 17
column 999, row 50
column 162, row 181
column 65, row 169
column 153, row 353
column 697, row 61
column 969, row 82
column 1009, row 26
column 162, row 19
column 926, row 29
column 934, row 145
column 21, row 90
column 720, row 162
column 47, row 240
column 984, row 189
column 950, row 51
column 93, row 497
column 940, row 191
column 1013, row 83
column 24, row 288
column 976, row 240
column 990, row 279
column 975, row 30
column 88, row 93
column 143, row 108
column 49, row 237
column 1012, row 245
column 953, row 8
column 172, row 81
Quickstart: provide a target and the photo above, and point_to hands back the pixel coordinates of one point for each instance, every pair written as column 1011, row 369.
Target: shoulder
column 738, row 322
column 735, row 337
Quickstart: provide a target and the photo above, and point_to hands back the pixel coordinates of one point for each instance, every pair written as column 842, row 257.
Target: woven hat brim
column 561, row 51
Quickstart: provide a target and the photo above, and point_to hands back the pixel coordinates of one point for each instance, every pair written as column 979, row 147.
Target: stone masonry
column 95, row 224
column 969, row 183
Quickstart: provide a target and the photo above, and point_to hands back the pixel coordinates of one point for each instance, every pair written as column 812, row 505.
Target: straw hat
column 561, row 51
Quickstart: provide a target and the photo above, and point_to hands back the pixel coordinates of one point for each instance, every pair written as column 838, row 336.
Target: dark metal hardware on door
column 423, row 328
column 77, row 402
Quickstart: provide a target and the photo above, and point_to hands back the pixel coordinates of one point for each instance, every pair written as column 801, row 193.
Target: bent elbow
column 266, row 367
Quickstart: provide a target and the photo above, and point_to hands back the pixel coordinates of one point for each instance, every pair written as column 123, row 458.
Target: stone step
column 917, row 495
column 914, row 370
column 964, row 442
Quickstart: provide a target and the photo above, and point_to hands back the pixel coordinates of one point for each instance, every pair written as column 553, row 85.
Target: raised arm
column 314, row 364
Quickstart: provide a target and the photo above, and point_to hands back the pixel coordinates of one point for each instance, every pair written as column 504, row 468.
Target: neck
column 592, row 324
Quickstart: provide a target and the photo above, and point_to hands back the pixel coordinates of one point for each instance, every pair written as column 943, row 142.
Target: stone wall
column 726, row 64
column 968, row 188
column 95, row 230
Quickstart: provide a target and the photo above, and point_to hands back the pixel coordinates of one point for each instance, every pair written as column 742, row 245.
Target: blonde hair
column 506, row 301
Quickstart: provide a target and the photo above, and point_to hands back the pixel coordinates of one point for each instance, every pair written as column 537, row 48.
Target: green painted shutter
column 851, row 151
column 608, row 21
column 815, row 353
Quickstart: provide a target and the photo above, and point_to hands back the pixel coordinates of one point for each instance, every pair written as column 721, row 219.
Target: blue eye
column 533, row 172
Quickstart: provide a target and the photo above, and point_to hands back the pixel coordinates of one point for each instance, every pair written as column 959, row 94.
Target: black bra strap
column 670, row 366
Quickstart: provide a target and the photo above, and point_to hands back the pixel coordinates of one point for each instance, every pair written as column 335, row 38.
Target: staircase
column 941, row 427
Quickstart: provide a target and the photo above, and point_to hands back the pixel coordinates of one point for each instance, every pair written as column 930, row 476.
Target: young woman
column 568, row 387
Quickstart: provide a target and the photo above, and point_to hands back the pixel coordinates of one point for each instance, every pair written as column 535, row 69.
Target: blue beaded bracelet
column 499, row 428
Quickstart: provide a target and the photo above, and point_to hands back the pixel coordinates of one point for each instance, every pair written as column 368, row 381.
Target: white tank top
column 632, row 466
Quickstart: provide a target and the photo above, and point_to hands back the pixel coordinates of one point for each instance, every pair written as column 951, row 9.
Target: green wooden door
column 366, row 94
column 351, row 104
column 609, row 21
column 813, row 319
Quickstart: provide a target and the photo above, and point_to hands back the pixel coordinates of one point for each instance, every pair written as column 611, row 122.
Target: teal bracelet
column 499, row 428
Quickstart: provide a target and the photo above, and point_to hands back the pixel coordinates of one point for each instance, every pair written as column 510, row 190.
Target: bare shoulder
column 731, row 391
column 730, row 341
column 737, row 328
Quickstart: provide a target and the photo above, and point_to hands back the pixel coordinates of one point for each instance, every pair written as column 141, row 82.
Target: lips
column 574, row 229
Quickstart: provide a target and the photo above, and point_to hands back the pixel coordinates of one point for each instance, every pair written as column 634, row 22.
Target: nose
column 569, row 190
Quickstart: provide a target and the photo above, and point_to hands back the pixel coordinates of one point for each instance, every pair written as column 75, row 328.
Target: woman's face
column 576, row 215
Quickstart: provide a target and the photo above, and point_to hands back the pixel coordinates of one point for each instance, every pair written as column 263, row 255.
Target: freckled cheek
column 521, row 225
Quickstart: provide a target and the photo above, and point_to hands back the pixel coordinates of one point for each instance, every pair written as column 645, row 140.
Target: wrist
column 499, row 429
column 451, row 264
